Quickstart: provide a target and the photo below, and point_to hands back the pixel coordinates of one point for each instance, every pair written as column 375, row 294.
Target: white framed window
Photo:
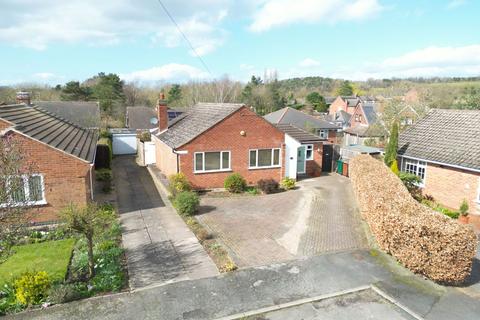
column 322, row 133
column 212, row 161
column 264, row 158
column 309, row 152
column 28, row 190
column 415, row 167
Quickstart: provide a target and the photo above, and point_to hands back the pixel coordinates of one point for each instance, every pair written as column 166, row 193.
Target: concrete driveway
column 159, row 246
column 320, row 216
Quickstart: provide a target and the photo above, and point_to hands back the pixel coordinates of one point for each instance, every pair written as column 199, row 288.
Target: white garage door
column 124, row 143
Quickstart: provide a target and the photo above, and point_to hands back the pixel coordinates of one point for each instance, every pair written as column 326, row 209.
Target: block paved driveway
column 159, row 246
column 320, row 216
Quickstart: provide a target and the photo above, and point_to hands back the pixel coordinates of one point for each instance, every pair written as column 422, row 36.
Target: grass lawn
column 50, row 256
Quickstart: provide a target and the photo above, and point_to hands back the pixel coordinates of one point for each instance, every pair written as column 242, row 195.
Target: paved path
column 321, row 216
column 159, row 246
column 294, row 282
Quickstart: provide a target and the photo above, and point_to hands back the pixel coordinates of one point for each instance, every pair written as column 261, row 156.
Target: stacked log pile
column 423, row 240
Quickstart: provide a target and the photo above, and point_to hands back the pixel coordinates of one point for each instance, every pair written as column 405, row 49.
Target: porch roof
column 298, row 134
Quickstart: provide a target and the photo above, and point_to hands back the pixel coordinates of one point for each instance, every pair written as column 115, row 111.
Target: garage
column 124, row 141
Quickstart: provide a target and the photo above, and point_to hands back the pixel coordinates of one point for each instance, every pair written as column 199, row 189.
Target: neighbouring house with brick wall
column 62, row 155
column 364, row 126
column 212, row 140
column 443, row 149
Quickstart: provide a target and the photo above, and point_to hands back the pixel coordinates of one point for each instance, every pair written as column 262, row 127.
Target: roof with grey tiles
column 195, row 121
column 361, row 130
column 298, row 119
column 298, row 134
column 85, row 114
column 51, row 129
column 446, row 136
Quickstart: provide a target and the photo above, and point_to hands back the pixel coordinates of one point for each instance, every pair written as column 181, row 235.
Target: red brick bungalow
column 213, row 140
column 443, row 149
column 62, row 156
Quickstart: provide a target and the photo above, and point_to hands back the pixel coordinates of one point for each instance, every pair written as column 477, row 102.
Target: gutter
column 178, row 153
column 441, row 163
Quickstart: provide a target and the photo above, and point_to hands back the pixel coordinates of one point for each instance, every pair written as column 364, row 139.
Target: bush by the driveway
column 423, row 240
column 268, row 185
column 186, row 203
column 235, row 183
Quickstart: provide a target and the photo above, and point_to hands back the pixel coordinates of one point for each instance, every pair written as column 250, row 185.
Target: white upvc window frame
column 26, row 190
column 308, row 147
column 418, row 164
column 222, row 169
column 256, row 167
column 322, row 133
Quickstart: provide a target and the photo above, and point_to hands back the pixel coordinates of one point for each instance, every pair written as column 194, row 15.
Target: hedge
column 424, row 241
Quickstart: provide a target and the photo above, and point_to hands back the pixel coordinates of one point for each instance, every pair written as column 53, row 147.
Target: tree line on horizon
column 265, row 95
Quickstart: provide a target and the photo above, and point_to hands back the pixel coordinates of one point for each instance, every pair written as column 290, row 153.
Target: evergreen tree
column 317, row 101
column 392, row 147
column 73, row 91
column 346, row 89
column 174, row 94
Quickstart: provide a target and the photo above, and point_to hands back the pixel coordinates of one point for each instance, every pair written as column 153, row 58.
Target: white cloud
column 37, row 24
column 427, row 62
column 274, row 13
column 172, row 72
column 46, row 76
column 455, row 4
column 309, row 63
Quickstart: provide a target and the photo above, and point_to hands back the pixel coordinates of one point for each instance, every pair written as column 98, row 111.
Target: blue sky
column 55, row 41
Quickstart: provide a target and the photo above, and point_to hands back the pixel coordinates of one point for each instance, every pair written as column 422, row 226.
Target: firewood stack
column 425, row 241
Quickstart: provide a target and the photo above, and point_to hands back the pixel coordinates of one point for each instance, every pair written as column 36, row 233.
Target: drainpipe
column 91, row 181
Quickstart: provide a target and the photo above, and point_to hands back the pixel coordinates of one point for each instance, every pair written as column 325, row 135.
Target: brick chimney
column 162, row 113
column 23, row 97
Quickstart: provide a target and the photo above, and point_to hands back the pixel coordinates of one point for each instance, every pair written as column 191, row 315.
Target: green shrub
column 104, row 133
column 287, row 183
column 178, row 183
column 412, row 183
column 8, row 301
column 103, row 175
column 268, row 185
column 252, row 190
column 144, row 136
column 394, row 167
column 31, row 288
column 235, row 183
column 464, row 208
column 186, row 203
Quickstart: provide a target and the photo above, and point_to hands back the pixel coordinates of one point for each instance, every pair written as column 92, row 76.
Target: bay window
column 264, row 158
column 212, row 161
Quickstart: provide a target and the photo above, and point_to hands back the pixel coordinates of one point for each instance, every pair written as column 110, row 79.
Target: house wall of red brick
column 4, row 125
column 332, row 136
column 337, row 105
column 449, row 186
column 225, row 136
column 361, row 117
column 314, row 167
column 66, row 179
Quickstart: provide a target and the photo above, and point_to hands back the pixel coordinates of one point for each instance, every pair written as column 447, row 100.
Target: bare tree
column 132, row 93
column 18, row 188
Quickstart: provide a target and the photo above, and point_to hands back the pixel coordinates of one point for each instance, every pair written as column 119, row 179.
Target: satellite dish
column 153, row 120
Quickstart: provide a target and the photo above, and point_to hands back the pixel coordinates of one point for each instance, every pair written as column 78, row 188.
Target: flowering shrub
column 235, row 183
column 178, row 183
column 32, row 287
column 287, row 183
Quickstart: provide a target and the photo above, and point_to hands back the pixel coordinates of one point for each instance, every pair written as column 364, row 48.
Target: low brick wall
column 424, row 241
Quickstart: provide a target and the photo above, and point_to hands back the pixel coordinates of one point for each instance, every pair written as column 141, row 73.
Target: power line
column 184, row 37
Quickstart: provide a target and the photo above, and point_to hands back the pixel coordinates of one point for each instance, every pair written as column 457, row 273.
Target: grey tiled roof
column 52, row 130
column 85, row 114
column 298, row 119
column 195, row 121
column 140, row 118
column 298, row 134
column 445, row 136
column 362, row 130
